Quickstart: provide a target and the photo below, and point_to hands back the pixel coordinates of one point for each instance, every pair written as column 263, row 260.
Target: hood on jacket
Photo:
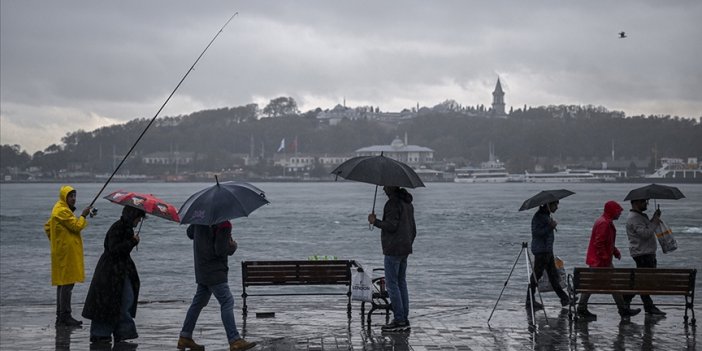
column 404, row 195
column 63, row 195
column 612, row 209
column 65, row 190
column 129, row 214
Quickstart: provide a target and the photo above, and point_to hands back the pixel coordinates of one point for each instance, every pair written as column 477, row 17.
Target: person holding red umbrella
column 111, row 302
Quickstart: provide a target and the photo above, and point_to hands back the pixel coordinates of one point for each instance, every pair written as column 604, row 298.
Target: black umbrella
column 655, row 191
column 545, row 197
column 378, row 170
column 221, row 202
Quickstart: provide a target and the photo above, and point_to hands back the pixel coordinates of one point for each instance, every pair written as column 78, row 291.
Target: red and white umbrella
column 146, row 202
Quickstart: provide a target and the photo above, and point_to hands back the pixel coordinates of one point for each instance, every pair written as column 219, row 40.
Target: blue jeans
column 226, row 305
column 396, row 285
column 125, row 328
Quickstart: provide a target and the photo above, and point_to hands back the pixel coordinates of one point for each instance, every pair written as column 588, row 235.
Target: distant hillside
column 218, row 138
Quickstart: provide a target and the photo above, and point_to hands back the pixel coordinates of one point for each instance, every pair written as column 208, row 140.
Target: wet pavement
column 299, row 324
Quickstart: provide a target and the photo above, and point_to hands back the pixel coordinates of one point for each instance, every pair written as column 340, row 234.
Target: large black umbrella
column 655, row 191
column 221, row 202
column 545, row 197
column 378, row 170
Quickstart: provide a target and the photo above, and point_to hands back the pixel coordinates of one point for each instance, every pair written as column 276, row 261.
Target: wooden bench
column 635, row 281
column 264, row 273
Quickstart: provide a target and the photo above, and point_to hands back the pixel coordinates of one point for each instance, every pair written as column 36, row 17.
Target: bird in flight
column 622, row 35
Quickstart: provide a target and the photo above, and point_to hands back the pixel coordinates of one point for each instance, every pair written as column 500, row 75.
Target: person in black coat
column 111, row 302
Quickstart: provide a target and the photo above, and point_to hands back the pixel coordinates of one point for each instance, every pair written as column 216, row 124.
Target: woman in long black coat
column 112, row 298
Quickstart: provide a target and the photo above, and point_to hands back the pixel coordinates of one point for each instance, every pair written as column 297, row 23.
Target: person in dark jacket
column 542, row 238
column 111, row 302
column 212, row 246
column 398, row 231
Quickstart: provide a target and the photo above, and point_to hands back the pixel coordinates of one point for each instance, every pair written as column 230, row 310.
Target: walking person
column 643, row 245
column 212, row 245
column 398, row 231
column 111, row 302
column 600, row 251
column 67, row 268
column 543, row 227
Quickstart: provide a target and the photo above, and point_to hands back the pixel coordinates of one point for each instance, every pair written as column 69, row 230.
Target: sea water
column 469, row 236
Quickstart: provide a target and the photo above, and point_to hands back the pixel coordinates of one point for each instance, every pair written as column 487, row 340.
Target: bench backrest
column 651, row 281
column 329, row 272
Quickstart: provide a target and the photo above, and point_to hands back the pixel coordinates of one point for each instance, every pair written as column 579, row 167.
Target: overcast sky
column 69, row 65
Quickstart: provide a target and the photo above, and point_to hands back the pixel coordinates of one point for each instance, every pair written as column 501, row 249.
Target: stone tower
column 498, row 101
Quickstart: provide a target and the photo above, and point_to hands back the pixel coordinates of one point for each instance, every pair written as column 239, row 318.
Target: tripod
column 530, row 272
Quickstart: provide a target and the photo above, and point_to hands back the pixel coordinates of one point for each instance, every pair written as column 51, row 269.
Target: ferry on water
column 677, row 170
column 567, row 176
column 492, row 171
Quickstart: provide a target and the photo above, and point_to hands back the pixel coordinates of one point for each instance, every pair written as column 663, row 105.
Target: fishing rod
column 159, row 111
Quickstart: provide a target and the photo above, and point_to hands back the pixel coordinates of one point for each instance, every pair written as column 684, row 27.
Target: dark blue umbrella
column 221, row 202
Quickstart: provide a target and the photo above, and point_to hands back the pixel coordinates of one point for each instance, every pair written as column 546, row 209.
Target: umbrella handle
column 137, row 233
column 375, row 196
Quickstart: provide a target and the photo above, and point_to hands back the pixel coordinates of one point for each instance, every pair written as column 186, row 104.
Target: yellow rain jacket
column 63, row 230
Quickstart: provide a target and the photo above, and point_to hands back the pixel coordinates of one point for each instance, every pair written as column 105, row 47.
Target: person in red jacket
column 599, row 254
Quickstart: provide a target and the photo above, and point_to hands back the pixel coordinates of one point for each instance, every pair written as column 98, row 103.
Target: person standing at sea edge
column 542, row 238
column 67, row 268
column 398, row 231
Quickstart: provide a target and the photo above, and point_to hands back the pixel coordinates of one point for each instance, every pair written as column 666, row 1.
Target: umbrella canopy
column 378, row 170
column 655, row 191
column 545, row 197
column 146, row 202
column 221, row 202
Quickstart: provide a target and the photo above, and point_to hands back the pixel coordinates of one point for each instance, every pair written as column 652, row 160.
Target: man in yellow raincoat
column 63, row 230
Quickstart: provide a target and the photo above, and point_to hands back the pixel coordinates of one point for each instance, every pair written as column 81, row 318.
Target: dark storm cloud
column 83, row 64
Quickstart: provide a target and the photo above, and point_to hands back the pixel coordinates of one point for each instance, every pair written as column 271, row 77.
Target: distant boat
column 492, row 171
column 678, row 171
column 567, row 176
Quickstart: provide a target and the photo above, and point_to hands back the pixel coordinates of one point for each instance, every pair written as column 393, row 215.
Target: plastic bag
column 361, row 287
column 665, row 238
column 545, row 284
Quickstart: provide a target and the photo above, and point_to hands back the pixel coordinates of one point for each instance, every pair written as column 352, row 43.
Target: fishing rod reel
column 93, row 212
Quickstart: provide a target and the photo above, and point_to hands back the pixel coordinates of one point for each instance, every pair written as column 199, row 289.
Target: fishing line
column 160, row 109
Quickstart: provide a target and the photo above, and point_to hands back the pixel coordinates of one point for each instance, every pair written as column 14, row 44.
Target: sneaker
column 396, row 326
column 655, row 311
column 629, row 312
column 188, row 343
column 240, row 344
column 585, row 313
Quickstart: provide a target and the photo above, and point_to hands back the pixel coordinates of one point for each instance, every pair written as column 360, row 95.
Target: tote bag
column 665, row 238
column 361, row 287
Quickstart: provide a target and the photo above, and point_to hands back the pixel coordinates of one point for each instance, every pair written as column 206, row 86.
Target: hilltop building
column 412, row 155
column 498, row 101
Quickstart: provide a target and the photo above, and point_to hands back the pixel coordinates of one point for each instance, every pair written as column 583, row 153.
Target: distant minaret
column 498, row 101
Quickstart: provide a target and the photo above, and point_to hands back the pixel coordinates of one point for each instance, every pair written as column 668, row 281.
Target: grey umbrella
column 655, row 191
column 378, row 170
column 221, row 202
column 545, row 197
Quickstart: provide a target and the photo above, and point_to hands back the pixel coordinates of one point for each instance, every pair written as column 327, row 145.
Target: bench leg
column 244, row 309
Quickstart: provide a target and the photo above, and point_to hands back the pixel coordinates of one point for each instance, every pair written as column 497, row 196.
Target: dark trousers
column 644, row 261
column 63, row 300
column 546, row 261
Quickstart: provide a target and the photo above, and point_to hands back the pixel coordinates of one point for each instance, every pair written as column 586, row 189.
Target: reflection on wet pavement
column 448, row 325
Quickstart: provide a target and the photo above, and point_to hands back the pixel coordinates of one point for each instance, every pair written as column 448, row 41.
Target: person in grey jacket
column 212, row 245
column 398, row 231
column 643, row 245
column 542, row 238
